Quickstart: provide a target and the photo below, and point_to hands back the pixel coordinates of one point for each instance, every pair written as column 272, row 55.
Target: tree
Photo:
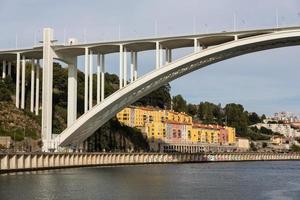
column 253, row 147
column 237, row 117
column 264, row 145
column 210, row 113
column 159, row 98
column 254, row 118
column 263, row 117
column 179, row 104
column 192, row 109
column 295, row 148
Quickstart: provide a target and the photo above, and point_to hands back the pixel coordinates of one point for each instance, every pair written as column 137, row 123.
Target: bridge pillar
column 98, row 78
column 37, row 87
column 48, row 54
column 168, row 56
column 23, row 83
column 72, row 91
column 32, row 86
column 86, row 79
column 196, row 45
column 102, row 58
column 158, row 57
column 125, row 66
column 91, row 81
column 9, row 69
column 4, row 69
column 133, row 67
column 18, row 81
column 121, row 66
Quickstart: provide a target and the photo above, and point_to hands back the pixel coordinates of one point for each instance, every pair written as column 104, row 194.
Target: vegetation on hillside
column 231, row 115
column 18, row 123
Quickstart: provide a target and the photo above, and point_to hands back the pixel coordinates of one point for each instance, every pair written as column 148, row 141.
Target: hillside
column 113, row 136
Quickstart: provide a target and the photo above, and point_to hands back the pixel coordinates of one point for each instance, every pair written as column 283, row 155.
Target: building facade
column 165, row 128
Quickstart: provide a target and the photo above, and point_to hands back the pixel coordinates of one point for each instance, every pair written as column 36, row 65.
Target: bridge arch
column 88, row 123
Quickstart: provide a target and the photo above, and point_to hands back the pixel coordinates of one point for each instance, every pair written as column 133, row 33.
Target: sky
column 264, row 82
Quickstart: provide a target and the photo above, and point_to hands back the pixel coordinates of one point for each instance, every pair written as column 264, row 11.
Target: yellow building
column 125, row 117
column 139, row 116
column 155, row 131
column 231, row 135
column 164, row 125
column 205, row 134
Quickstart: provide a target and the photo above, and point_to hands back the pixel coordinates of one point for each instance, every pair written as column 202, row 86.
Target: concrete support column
column 23, row 83
column 160, row 56
column 125, row 67
column 37, row 87
column 196, row 45
column 91, row 81
column 18, row 80
column 102, row 59
column 121, row 67
column 47, row 88
column 72, row 91
column 4, row 69
column 135, row 74
column 32, row 86
column 98, row 78
column 157, row 55
column 236, row 37
column 168, row 56
column 131, row 65
column 9, row 69
column 86, row 79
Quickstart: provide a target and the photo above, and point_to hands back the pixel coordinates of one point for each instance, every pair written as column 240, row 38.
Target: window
column 174, row 133
column 189, row 134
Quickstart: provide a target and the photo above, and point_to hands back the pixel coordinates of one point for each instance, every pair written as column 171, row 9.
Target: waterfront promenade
column 41, row 161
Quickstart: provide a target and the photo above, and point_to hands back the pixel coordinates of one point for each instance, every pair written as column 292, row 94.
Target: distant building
column 287, row 117
column 243, row 144
column 5, row 142
column 284, row 129
column 163, row 127
column 277, row 140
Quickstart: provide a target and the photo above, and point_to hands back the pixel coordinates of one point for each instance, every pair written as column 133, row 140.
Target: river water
column 235, row 180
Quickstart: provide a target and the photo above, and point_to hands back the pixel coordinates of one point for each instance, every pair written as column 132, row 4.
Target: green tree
column 179, row 104
column 159, row 98
column 237, row 117
column 295, row 148
column 210, row 113
column 263, row 117
column 254, row 118
column 192, row 109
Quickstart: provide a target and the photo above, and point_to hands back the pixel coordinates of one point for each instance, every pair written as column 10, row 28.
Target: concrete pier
column 40, row 161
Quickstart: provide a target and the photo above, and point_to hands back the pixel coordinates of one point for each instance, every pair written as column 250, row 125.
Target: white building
column 284, row 129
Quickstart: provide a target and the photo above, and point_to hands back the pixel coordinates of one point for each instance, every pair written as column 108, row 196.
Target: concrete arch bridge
column 208, row 49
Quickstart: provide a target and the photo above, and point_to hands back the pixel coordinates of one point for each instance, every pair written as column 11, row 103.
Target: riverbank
column 45, row 161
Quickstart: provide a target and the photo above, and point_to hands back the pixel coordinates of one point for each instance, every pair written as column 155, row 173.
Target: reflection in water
column 245, row 180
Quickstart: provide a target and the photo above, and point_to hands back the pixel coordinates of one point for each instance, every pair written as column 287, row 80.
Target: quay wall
column 41, row 161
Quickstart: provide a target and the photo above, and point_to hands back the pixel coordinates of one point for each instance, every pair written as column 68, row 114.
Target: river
column 232, row 180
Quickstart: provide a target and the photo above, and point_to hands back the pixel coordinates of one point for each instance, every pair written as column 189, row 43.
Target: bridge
column 207, row 49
